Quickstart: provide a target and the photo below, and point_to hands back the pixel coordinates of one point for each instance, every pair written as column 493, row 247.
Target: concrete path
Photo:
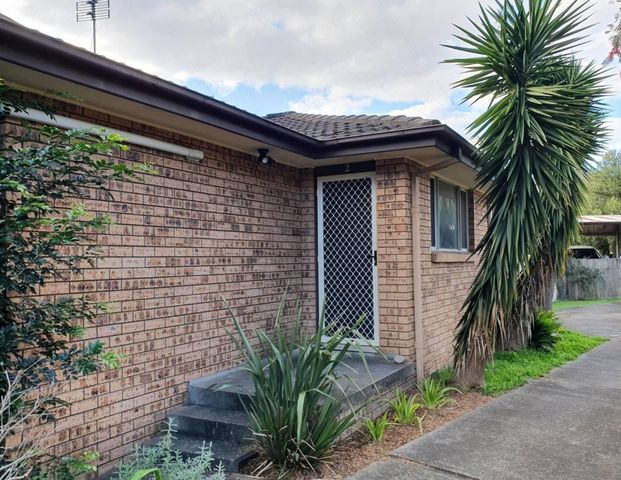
column 566, row 426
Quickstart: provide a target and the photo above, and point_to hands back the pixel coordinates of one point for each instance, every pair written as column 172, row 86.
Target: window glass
column 463, row 217
column 433, row 214
column 447, row 216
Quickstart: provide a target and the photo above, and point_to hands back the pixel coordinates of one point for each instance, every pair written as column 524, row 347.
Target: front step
column 203, row 391
column 212, row 423
column 231, row 455
column 215, row 410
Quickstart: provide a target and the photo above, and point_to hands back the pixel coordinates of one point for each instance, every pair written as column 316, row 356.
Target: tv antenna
column 91, row 11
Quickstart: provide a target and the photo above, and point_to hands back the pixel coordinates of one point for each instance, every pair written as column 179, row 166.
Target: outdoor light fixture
column 263, row 157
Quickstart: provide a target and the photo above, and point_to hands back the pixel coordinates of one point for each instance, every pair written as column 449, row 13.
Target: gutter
column 35, row 51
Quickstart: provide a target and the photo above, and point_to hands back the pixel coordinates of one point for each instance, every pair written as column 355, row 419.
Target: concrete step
column 229, row 390
column 211, row 423
column 200, row 392
column 231, row 455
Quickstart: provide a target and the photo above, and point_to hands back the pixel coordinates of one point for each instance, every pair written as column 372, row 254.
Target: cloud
column 333, row 101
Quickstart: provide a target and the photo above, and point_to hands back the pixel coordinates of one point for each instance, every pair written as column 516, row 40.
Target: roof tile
column 334, row 127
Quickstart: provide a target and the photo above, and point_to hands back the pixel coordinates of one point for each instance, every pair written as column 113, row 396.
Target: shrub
column 434, row 394
column 377, row 428
column 161, row 460
column 45, row 237
column 545, row 331
column 296, row 414
column 404, row 408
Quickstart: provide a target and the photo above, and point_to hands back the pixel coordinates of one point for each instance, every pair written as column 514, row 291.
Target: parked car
column 584, row 252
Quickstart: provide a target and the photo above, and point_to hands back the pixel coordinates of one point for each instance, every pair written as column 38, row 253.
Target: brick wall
column 198, row 230
column 394, row 248
column 445, row 281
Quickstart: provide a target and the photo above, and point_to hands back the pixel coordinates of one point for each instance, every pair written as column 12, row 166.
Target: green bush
column 297, row 414
column 377, row 428
column 162, row 461
column 445, row 376
column 434, row 394
column 545, row 331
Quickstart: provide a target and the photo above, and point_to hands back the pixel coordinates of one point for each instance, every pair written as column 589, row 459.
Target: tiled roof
column 333, row 127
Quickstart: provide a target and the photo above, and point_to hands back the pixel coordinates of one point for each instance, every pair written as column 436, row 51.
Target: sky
column 313, row 56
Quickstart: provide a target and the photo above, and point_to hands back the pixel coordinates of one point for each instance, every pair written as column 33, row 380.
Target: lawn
column 565, row 304
column 510, row 370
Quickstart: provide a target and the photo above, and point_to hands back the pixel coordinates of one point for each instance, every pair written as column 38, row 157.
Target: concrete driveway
column 566, row 426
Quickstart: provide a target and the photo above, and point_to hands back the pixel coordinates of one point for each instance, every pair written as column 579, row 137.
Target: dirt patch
column 358, row 451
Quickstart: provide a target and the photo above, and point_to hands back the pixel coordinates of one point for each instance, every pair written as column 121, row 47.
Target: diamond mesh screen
column 348, row 261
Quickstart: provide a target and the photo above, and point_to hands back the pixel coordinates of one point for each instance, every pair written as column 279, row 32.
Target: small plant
column 148, row 474
column 404, row 408
column 161, row 461
column 445, row 375
column 545, row 331
column 297, row 413
column 377, row 428
column 434, row 394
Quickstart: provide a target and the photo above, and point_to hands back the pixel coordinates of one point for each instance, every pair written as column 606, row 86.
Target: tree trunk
column 516, row 338
column 470, row 374
column 549, row 293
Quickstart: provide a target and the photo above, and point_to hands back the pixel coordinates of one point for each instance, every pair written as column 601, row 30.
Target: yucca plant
column 299, row 409
column 543, row 124
column 404, row 408
column 377, row 428
column 546, row 330
column 433, row 394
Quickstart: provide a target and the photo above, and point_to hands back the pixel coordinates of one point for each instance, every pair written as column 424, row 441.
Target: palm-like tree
column 543, row 124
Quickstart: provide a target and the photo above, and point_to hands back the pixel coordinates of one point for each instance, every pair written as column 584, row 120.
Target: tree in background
column 604, row 186
column 46, row 234
column 604, row 196
column 535, row 140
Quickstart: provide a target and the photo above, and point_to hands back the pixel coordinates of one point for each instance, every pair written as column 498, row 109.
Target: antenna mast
column 91, row 11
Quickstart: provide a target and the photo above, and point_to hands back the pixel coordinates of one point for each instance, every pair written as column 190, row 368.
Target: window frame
column 461, row 194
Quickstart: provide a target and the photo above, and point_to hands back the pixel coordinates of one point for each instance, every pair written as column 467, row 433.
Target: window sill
column 451, row 257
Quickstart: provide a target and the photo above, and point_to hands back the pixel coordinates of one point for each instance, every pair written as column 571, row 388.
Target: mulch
column 358, row 451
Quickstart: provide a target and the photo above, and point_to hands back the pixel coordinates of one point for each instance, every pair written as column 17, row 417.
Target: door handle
column 374, row 257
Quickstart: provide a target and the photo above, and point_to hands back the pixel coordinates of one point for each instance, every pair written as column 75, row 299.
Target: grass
column 565, row 304
column 510, row 370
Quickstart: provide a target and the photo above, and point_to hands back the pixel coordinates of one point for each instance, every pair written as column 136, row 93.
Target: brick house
column 367, row 214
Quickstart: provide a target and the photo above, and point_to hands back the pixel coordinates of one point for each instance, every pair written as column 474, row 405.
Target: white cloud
column 333, row 101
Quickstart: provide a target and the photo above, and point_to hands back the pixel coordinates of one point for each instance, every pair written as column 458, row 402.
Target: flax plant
column 299, row 409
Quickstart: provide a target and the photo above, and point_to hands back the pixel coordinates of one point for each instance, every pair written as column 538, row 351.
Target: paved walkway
column 566, row 426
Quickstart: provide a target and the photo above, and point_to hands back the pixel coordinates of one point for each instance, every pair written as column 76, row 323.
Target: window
column 449, row 216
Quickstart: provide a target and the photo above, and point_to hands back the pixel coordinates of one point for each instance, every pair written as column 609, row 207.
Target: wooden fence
column 591, row 279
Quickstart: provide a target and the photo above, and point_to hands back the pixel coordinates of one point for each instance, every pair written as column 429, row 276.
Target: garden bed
column 358, row 451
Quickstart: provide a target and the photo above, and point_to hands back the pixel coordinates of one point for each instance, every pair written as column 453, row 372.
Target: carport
column 602, row 226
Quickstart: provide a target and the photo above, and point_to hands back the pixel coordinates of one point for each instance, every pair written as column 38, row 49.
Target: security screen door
column 347, row 252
